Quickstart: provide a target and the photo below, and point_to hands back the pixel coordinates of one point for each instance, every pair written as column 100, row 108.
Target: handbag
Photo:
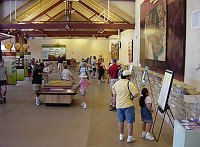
column 131, row 95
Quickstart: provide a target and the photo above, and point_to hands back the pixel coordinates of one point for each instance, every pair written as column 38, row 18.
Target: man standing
column 112, row 79
column 122, row 91
column 37, row 81
column 60, row 62
column 3, row 81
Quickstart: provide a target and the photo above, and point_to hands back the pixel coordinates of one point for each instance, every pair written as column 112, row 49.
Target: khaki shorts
column 37, row 87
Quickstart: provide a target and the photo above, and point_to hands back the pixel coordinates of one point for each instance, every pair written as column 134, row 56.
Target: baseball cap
column 126, row 73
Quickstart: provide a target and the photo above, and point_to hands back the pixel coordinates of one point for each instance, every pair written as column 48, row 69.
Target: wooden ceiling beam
column 47, row 10
column 67, row 33
column 68, row 25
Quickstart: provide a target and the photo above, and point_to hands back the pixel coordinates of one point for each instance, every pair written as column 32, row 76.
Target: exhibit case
column 186, row 133
column 10, row 63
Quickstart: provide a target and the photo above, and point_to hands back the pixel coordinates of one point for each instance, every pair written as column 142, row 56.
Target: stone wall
column 180, row 109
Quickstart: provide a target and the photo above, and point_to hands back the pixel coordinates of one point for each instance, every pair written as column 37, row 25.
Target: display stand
column 163, row 106
column 165, row 112
column 145, row 79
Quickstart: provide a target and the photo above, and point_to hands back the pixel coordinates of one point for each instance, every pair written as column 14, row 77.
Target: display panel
column 165, row 90
column 10, row 63
column 51, row 52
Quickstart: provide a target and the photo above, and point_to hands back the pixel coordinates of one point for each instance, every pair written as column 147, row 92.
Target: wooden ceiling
column 64, row 18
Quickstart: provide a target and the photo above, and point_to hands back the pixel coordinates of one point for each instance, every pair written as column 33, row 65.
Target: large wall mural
column 163, row 52
column 155, row 32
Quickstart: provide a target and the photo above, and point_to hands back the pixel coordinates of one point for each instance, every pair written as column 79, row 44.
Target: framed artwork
column 130, row 51
column 155, row 32
column 115, row 51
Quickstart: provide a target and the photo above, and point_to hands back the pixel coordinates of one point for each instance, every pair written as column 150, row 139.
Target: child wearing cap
column 83, row 84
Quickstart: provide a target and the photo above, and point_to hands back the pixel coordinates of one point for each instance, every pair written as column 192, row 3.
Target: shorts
column 3, row 82
column 146, row 116
column 127, row 114
column 37, row 87
column 82, row 92
column 112, row 82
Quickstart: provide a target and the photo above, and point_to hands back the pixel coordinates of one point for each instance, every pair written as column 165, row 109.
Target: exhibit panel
column 27, row 61
column 20, row 66
column 52, row 52
column 10, row 63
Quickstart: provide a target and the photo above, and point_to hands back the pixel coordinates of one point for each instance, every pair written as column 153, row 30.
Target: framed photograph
column 130, row 51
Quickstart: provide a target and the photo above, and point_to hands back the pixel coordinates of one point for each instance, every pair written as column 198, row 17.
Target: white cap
column 126, row 73
column 83, row 75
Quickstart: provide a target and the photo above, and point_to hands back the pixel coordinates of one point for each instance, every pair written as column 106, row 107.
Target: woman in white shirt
column 66, row 74
column 46, row 72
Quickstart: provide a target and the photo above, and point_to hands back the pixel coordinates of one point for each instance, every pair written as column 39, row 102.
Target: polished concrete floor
column 22, row 124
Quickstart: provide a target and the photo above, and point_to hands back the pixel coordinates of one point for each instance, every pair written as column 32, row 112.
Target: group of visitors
column 121, row 90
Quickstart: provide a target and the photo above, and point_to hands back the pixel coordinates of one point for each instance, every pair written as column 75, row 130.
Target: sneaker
column 143, row 134
column 149, row 137
column 121, row 137
column 1, row 101
column 130, row 139
column 38, row 103
column 4, row 99
column 113, row 109
column 84, row 106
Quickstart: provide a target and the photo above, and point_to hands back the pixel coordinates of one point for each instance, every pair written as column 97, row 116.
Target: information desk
column 186, row 133
column 57, row 92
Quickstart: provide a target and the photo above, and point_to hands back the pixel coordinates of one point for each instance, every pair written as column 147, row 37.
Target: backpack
column 118, row 73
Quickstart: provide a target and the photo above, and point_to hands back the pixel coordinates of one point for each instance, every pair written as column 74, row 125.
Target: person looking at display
column 122, row 91
column 146, row 114
column 66, row 74
column 3, row 81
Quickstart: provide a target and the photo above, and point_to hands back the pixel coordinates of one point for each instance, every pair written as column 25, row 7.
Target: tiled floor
column 22, row 124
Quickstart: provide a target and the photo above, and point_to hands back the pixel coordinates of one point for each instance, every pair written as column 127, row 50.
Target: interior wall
column 124, row 38
column 75, row 48
column 192, row 55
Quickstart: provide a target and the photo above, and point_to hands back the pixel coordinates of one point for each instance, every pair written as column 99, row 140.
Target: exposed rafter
column 71, row 25
column 68, row 33
column 94, row 11
column 47, row 10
